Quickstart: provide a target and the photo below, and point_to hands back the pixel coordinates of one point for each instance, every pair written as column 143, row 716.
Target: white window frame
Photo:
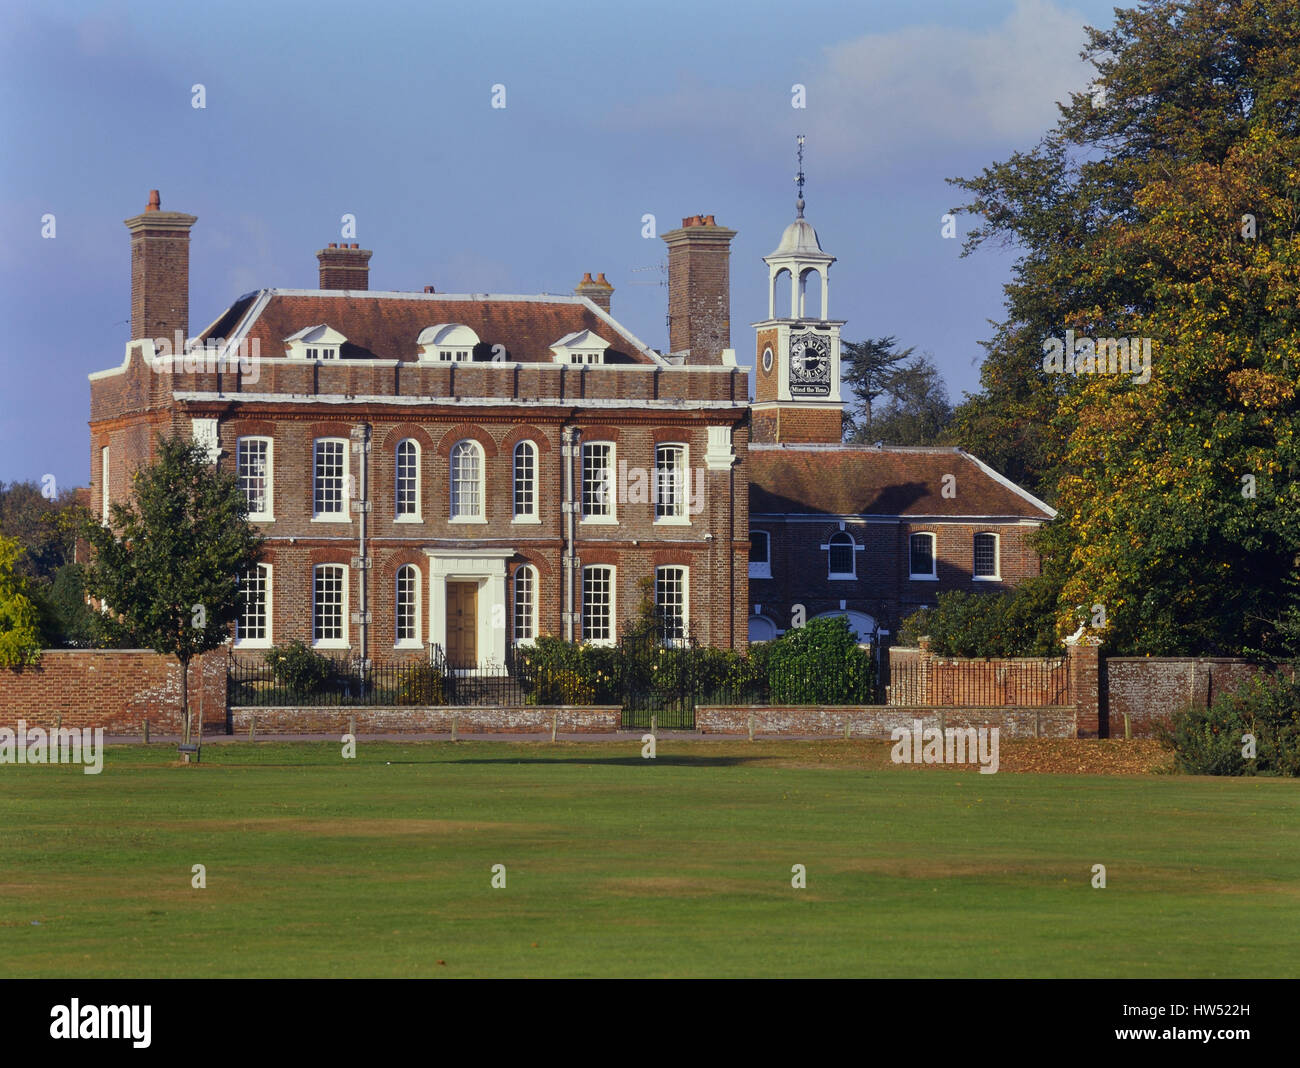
column 763, row 570
column 267, row 514
column 678, row 639
column 530, row 447
column 480, row 459
column 681, row 515
column 416, row 516
column 330, row 643
column 267, row 639
column 531, row 616
column 455, row 355
column 609, row 517
column 343, row 516
column 854, row 548
column 417, row 582
column 612, row 636
column 933, row 575
column 997, row 556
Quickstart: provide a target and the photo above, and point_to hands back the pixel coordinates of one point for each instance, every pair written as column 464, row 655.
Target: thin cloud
column 907, row 92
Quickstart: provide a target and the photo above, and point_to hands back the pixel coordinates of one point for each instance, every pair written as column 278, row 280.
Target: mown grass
column 619, row 866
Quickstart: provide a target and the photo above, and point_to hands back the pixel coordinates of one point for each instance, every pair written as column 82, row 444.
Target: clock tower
column 797, row 379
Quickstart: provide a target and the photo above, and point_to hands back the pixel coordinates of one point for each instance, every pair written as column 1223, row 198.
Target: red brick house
column 466, row 471
column 473, row 471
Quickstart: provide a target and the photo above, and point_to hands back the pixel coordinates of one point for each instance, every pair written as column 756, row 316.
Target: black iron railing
column 957, row 683
column 663, row 687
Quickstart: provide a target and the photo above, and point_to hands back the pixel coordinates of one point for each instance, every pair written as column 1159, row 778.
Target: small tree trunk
column 198, row 733
column 185, row 700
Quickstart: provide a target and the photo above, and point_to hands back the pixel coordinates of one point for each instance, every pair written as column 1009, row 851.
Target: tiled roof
column 863, row 480
column 386, row 325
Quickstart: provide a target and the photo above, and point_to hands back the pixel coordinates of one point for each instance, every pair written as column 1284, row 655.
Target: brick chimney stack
column 344, row 267
column 598, row 291
column 699, row 289
column 160, row 271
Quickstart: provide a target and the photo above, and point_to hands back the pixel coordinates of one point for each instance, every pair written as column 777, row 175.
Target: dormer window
column 318, row 342
column 447, row 343
column 580, row 347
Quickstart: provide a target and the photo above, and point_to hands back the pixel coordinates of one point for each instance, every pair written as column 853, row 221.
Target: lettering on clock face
column 810, row 365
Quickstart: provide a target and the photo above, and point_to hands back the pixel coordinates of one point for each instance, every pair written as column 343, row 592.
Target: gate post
column 1085, row 689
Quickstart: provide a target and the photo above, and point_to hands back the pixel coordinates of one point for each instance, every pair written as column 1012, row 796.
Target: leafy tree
column 1161, row 206
column 28, row 516
column 168, row 565
column 916, row 410
column 866, row 368
column 66, row 618
column 1019, row 622
column 20, row 635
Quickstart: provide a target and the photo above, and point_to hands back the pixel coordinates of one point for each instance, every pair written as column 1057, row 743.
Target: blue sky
column 384, row 111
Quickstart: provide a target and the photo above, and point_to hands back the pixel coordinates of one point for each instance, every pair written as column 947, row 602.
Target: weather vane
column 799, row 177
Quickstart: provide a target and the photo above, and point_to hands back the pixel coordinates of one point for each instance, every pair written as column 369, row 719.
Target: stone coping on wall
column 877, row 721
column 1180, row 660
column 398, row 719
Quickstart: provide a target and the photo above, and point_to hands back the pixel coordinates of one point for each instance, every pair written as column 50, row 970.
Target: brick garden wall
column 1149, row 689
column 113, row 689
column 876, row 721
column 469, row 720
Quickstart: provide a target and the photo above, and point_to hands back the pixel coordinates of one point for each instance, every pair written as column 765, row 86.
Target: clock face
column 767, row 360
column 810, row 365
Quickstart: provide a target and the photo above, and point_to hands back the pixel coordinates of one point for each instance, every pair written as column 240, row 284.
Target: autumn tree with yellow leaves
column 1163, row 209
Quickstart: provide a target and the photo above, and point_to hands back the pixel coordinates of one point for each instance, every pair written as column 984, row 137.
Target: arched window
column 407, row 493
column 921, row 556
column 407, row 629
column 761, row 629
column 986, row 564
column 467, row 481
column 840, row 554
column 525, row 605
column 525, row 480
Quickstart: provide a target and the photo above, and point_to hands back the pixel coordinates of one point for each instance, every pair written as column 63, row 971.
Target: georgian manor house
column 473, row 471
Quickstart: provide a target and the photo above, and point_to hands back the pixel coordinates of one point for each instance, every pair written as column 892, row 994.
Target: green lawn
column 618, row 866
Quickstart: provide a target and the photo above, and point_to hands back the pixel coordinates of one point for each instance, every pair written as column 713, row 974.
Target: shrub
column 1020, row 622
column 299, row 667
column 420, row 684
column 820, row 663
column 1209, row 741
column 557, row 672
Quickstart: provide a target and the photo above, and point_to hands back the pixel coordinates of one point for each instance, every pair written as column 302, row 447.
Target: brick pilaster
column 1085, row 689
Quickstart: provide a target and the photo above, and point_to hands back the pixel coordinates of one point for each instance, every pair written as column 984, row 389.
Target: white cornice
column 200, row 396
